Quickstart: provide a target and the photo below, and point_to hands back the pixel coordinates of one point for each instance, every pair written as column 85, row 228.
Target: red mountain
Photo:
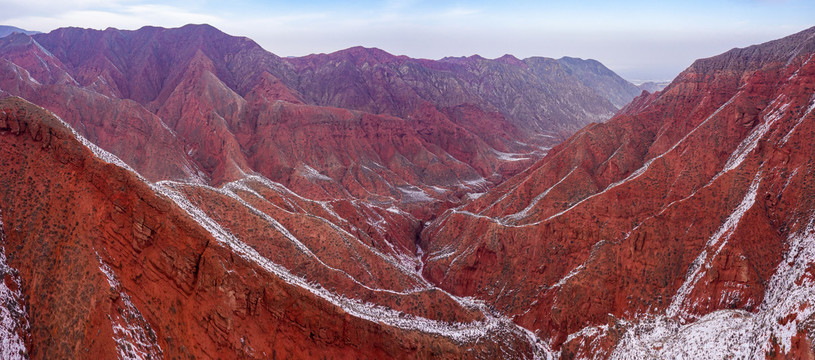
column 301, row 189
column 681, row 227
column 543, row 97
column 100, row 263
column 205, row 198
column 204, row 93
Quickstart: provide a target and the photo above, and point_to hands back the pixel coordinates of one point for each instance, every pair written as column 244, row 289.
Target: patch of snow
column 395, row 210
column 789, row 300
column 310, row 173
column 439, row 190
column 722, row 334
column 592, row 334
column 790, row 292
column 478, row 184
column 445, row 252
column 510, row 156
column 412, row 194
column 587, row 331
column 131, row 332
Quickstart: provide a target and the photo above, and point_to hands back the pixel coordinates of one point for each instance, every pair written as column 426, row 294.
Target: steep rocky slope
column 683, row 227
column 204, row 198
column 100, row 263
column 227, row 207
column 599, row 78
column 448, row 127
column 540, row 96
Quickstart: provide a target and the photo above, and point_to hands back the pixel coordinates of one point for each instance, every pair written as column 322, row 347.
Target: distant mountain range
column 654, row 86
column 6, row 30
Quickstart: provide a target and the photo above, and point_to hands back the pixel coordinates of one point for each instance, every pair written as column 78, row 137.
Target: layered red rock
column 111, row 265
column 689, row 214
column 285, row 197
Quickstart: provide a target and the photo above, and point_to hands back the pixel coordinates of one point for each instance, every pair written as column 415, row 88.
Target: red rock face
column 156, row 272
column 112, row 266
column 196, row 105
column 688, row 213
column 288, row 207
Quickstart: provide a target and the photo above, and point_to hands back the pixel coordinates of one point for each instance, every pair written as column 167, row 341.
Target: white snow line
column 399, row 263
column 648, row 163
column 809, row 111
column 129, row 333
column 286, row 233
column 523, row 213
column 751, row 141
column 374, row 313
column 714, row 245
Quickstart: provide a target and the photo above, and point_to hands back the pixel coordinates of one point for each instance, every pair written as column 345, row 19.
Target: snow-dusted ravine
column 167, row 187
column 494, row 326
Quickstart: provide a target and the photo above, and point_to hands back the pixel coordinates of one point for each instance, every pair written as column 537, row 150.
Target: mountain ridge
column 364, row 205
column 6, row 30
column 615, row 204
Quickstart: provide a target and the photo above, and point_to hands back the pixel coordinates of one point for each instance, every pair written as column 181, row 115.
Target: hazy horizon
column 637, row 39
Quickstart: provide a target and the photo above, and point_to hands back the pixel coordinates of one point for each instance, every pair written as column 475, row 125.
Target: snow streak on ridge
column 13, row 315
column 736, row 334
column 715, row 244
column 132, row 334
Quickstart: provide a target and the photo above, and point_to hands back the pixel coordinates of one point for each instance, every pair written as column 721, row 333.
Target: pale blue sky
column 640, row 40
